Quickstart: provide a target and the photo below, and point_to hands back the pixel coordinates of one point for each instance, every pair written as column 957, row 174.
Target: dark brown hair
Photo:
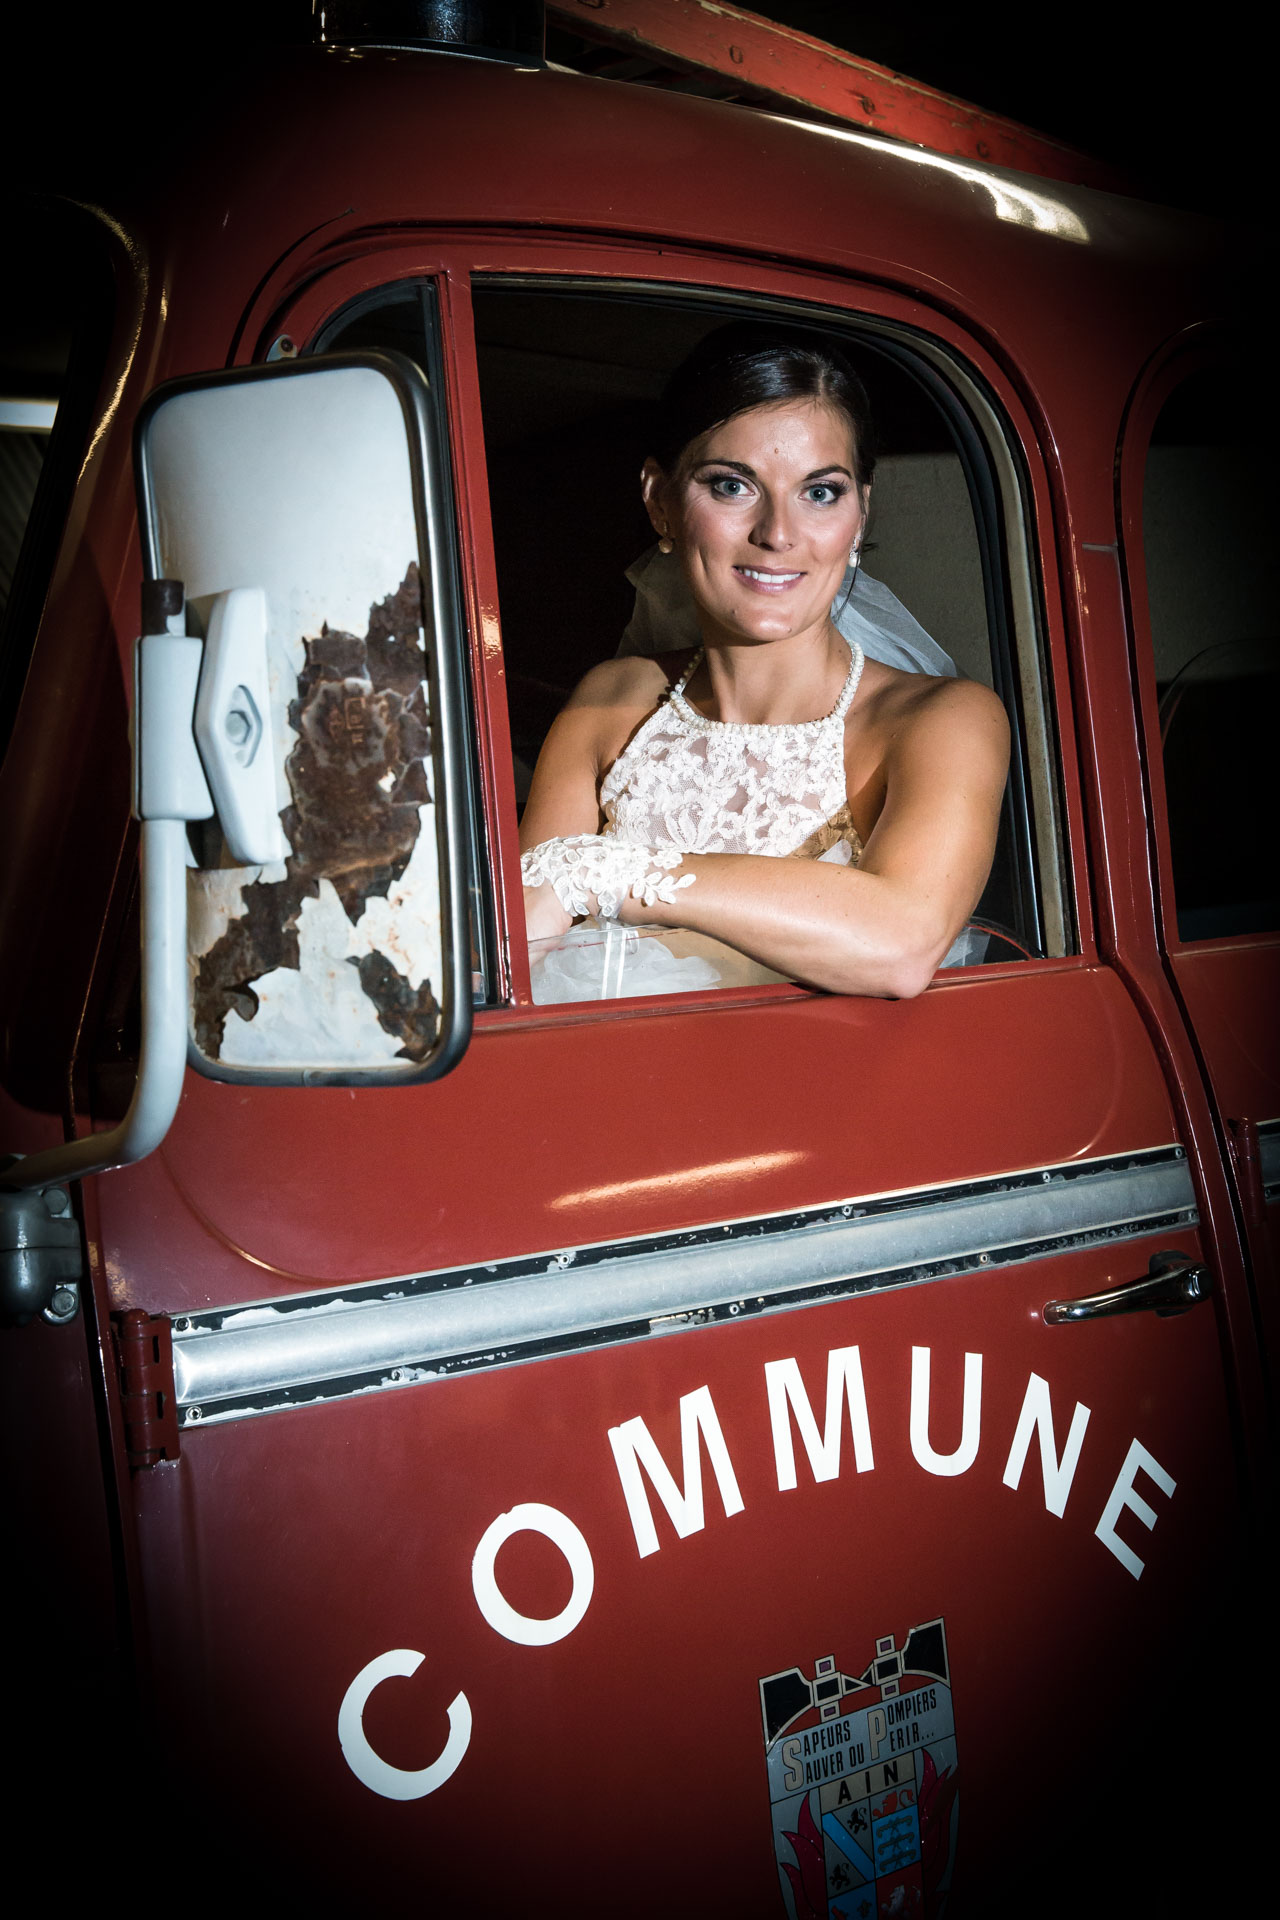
column 751, row 364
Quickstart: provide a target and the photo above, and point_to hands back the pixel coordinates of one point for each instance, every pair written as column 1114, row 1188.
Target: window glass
column 1208, row 538
column 569, row 381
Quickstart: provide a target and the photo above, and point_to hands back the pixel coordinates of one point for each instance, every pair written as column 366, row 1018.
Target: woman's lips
column 768, row 579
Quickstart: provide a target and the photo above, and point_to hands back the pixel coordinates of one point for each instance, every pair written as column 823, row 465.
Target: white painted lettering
column 946, row 1464
column 1037, row 1415
column 493, row 1603
column 844, row 1385
column 1122, row 1495
column 633, row 1445
column 397, row 1783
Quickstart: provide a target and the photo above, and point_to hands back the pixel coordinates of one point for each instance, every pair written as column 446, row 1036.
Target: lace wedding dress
column 696, row 785
column 727, row 786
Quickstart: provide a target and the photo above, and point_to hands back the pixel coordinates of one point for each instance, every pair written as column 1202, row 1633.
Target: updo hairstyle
column 750, row 364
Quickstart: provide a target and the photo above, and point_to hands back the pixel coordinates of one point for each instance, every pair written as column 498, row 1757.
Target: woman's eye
column 728, row 486
column 824, row 494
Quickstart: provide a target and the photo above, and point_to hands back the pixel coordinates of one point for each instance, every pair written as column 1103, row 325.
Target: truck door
column 742, row 1450
column 1197, row 501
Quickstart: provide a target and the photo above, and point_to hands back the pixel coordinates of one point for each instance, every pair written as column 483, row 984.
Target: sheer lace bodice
column 723, row 786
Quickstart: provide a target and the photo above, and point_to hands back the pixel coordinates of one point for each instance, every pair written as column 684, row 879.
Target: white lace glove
column 583, row 865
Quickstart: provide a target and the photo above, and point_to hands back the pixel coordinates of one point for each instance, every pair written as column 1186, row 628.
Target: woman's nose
column 773, row 529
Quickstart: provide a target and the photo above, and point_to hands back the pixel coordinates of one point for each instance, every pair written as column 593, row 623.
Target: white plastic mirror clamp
column 233, row 727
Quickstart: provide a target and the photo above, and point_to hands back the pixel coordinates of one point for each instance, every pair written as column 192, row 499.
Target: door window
column 569, row 377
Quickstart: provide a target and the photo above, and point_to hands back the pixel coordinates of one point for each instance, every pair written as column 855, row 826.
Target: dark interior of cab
column 569, row 379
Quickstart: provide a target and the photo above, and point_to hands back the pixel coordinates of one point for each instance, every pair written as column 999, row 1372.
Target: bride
column 665, row 779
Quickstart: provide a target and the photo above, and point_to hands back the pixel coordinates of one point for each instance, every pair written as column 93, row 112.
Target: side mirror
column 300, row 507
column 301, row 673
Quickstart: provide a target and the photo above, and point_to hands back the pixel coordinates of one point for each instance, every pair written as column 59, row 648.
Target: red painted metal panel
column 1117, row 803
column 1228, row 987
column 778, row 60
column 1232, row 994
column 556, row 1135
column 624, row 1764
column 558, row 156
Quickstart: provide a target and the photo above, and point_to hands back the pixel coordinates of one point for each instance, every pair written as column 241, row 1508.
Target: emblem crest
column 863, row 1782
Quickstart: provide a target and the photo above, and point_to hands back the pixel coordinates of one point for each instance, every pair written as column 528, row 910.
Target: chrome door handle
column 1174, row 1284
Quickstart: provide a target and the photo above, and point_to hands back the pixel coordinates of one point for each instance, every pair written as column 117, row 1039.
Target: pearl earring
column 666, row 544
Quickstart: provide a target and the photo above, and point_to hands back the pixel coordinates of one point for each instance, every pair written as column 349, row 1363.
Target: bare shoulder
column 636, row 680
column 918, row 710
column 964, row 702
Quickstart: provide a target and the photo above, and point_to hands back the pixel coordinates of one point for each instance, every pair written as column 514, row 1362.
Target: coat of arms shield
column 862, row 1782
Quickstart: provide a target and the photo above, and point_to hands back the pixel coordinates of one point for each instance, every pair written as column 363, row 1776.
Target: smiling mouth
column 766, row 580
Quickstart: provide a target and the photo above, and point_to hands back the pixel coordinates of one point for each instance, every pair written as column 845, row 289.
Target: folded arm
column 880, row 928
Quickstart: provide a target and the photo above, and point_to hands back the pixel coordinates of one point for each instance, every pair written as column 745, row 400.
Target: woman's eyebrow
column 740, row 466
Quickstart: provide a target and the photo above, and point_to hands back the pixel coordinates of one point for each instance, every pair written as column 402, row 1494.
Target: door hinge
column 144, row 1343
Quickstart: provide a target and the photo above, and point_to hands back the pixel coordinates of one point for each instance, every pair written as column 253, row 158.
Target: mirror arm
column 169, row 790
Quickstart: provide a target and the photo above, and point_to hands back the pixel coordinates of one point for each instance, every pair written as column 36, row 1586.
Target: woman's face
column 764, row 510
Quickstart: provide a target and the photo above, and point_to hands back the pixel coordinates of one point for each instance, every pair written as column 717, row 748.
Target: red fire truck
column 737, row 1450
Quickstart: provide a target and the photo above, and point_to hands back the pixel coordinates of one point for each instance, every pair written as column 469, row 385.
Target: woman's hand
column 595, row 873
column 564, row 797
column 544, row 917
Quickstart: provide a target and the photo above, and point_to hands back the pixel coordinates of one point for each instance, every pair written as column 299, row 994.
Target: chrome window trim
column 236, row 1361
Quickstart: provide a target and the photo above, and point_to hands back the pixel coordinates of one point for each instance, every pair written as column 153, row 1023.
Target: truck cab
column 758, row 1450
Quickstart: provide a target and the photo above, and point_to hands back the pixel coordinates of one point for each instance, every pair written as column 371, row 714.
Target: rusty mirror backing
column 318, row 484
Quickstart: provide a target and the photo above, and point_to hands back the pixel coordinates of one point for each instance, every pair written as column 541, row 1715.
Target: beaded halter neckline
column 690, row 715
column 733, row 786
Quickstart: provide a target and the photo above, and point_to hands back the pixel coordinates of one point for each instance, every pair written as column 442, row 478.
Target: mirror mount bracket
column 169, row 790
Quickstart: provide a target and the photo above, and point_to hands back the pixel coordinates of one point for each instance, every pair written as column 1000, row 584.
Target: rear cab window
column 1207, row 538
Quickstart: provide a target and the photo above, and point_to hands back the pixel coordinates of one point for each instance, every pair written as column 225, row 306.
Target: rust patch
column 357, row 778
column 410, row 1013
column 356, row 772
column 263, row 938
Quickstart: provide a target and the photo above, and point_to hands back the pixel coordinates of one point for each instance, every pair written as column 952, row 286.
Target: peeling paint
column 310, row 1009
column 331, row 959
column 214, row 900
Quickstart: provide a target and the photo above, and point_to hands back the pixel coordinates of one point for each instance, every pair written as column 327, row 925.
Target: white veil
column 665, row 621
